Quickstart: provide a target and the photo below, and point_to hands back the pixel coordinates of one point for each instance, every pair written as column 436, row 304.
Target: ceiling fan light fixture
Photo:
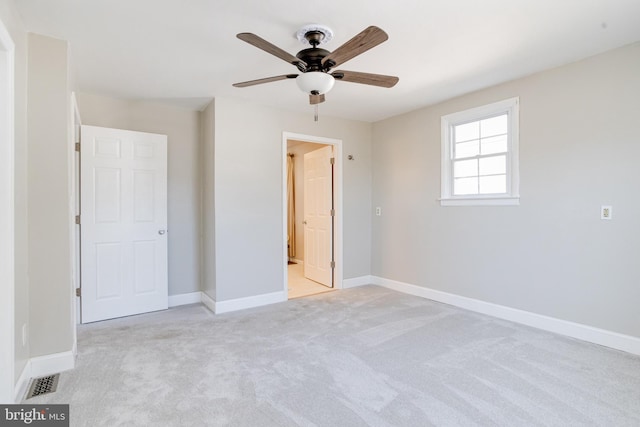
column 317, row 82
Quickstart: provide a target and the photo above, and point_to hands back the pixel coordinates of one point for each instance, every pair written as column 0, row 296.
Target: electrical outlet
column 606, row 212
column 378, row 211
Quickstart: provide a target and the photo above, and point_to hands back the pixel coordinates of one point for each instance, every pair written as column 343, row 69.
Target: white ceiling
column 185, row 51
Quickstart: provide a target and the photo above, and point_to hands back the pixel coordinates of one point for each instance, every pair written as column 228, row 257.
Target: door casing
column 337, row 195
column 7, row 218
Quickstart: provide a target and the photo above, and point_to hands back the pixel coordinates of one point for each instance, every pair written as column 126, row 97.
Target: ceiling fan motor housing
column 313, row 58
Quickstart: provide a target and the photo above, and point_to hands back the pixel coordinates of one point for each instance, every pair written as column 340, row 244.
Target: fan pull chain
column 315, row 117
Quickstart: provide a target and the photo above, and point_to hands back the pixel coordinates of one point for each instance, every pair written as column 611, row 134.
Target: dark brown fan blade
column 261, row 43
column 316, row 99
column 370, row 37
column 365, row 78
column 265, row 80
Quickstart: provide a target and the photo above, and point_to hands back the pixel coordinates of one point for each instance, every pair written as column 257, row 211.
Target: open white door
column 123, row 223
column 318, row 216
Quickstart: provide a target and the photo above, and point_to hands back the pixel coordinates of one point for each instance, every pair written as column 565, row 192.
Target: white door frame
column 7, row 220
column 74, row 182
column 337, row 197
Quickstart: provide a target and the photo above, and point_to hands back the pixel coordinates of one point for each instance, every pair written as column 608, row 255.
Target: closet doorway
column 312, row 217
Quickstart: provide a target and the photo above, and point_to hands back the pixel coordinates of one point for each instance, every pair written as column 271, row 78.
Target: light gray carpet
column 365, row 356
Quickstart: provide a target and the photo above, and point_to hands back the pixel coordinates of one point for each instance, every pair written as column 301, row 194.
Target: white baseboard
column 184, row 299
column 357, row 281
column 582, row 332
column 22, row 384
column 249, row 302
column 52, row 364
column 209, row 302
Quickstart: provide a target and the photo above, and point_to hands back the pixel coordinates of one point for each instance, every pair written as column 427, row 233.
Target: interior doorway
column 312, row 213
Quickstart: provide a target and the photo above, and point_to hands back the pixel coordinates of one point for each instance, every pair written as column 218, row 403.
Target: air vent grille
column 43, row 385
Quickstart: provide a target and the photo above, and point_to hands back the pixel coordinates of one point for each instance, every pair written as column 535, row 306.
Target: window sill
column 481, row 201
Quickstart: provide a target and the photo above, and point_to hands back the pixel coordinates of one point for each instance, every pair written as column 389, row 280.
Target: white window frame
column 512, row 196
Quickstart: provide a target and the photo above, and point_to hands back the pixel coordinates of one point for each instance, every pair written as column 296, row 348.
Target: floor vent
column 43, row 385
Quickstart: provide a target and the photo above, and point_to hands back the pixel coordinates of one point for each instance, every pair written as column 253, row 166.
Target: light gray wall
column 551, row 255
column 299, row 151
column 182, row 127
column 208, row 261
column 11, row 20
column 49, row 204
column 248, row 194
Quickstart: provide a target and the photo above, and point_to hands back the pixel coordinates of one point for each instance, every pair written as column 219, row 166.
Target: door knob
column 161, row 232
column 304, row 222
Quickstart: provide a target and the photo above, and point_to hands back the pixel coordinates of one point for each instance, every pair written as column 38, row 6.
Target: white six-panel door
column 318, row 221
column 123, row 223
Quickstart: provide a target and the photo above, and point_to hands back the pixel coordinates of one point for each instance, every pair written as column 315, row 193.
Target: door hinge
column 333, row 212
column 333, row 264
column 78, row 147
column 78, row 292
column 333, row 160
column 77, row 219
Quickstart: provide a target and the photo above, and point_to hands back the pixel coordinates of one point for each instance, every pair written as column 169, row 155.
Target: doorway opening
column 312, row 189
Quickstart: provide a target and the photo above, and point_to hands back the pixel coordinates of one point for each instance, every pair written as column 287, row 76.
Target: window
column 480, row 155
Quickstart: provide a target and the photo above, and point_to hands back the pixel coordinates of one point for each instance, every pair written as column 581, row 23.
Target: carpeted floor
column 359, row 357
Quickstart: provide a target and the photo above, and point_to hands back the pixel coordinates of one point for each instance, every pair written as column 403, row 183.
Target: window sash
column 453, row 160
column 508, row 108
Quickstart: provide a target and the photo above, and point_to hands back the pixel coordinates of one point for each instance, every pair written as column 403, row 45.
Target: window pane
column 493, row 165
column 464, row 168
column 462, row 186
column 494, row 126
column 493, row 145
column 493, row 184
column 467, row 149
column 467, row 131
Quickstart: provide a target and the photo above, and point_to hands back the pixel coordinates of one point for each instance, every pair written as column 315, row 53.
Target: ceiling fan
column 316, row 63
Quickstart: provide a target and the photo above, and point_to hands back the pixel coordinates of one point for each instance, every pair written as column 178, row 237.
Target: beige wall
column 182, row 127
column 552, row 255
column 48, row 200
column 248, row 194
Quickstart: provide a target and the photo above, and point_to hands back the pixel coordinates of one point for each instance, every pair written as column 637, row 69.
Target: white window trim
column 512, row 197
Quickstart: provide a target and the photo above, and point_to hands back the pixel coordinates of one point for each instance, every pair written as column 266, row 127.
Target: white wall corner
column 209, row 302
column 357, row 281
column 579, row 331
column 52, row 364
column 23, row 383
column 249, row 302
column 184, row 299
